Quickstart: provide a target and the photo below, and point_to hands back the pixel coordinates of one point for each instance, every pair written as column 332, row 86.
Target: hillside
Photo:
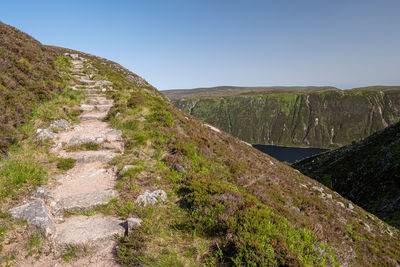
column 28, row 75
column 366, row 172
column 129, row 179
column 302, row 117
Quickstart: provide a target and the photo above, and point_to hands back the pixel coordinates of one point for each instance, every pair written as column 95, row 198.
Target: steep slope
column 366, row 172
column 28, row 75
column 303, row 117
column 225, row 203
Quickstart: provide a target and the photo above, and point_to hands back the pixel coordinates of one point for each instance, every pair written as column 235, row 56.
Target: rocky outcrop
column 151, row 198
column 327, row 118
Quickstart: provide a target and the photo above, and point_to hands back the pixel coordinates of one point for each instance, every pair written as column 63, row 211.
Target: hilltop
column 220, row 201
column 323, row 117
column 366, row 172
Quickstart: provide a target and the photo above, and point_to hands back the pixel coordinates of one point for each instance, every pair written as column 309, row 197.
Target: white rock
column 44, row 134
column 151, row 198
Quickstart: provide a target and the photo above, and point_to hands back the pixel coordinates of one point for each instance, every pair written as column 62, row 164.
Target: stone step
column 35, row 213
column 89, row 91
column 78, row 140
column 94, row 116
column 83, row 202
column 99, row 101
column 103, row 107
column 91, row 156
column 89, row 231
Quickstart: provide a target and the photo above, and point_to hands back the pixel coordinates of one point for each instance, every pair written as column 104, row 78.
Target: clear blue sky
column 188, row 43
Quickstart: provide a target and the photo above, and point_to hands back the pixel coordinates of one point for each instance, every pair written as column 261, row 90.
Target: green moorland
column 366, row 172
column 228, row 204
column 323, row 117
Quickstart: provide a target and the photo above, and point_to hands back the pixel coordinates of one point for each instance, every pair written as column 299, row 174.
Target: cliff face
column 325, row 118
column 367, row 172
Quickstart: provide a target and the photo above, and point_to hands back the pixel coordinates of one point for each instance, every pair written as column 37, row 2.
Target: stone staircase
column 57, row 212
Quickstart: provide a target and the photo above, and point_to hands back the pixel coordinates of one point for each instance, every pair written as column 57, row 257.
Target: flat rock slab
column 82, row 230
column 103, row 107
column 91, row 156
column 35, row 214
column 83, row 202
column 100, row 101
column 80, row 140
column 94, row 116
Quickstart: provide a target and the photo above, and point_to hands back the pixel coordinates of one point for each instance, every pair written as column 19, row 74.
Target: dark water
column 289, row 154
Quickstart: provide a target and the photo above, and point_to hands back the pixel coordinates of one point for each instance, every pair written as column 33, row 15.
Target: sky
column 177, row 44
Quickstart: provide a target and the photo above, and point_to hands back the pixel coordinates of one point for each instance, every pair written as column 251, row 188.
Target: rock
column 133, row 223
column 350, row 206
column 138, row 80
column 329, row 196
column 83, row 202
column 114, row 135
column 94, row 116
column 142, row 119
column 117, row 115
column 60, row 125
column 59, row 177
column 83, row 230
column 318, row 188
column 340, row 204
column 87, row 107
column 44, row 134
column 80, row 140
column 43, row 193
column 92, row 156
column 126, row 167
column 179, row 168
column 151, row 198
column 35, row 214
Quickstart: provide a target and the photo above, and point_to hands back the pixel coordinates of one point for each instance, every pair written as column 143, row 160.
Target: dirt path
column 85, row 187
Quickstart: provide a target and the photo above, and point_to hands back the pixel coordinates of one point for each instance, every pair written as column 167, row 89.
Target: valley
column 318, row 117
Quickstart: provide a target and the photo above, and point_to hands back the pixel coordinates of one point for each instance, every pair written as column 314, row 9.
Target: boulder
column 35, row 214
column 60, row 125
column 114, row 135
column 133, row 223
column 44, row 134
column 350, row 206
column 151, row 198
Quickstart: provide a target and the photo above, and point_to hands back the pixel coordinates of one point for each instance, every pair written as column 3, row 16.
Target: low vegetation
column 366, row 172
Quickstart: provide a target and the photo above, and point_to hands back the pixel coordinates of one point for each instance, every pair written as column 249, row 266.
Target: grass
column 65, row 163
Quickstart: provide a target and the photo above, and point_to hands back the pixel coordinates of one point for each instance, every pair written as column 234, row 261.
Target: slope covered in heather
column 28, row 75
column 226, row 202
column 366, row 172
column 323, row 117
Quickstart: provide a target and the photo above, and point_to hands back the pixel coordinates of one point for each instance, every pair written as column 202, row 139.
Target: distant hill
column 221, row 91
column 366, row 172
column 323, row 117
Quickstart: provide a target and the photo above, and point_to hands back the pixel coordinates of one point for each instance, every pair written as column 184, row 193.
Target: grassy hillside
column 228, row 203
column 366, row 172
column 28, row 75
column 304, row 117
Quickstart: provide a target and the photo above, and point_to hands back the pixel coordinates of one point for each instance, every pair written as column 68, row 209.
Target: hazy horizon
column 190, row 44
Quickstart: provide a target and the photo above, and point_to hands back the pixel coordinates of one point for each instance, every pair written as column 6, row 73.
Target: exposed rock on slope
column 312, row 117
column 366, row 172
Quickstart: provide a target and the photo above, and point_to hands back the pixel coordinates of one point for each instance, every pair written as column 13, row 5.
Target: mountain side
column 305, row 117
column 28, row 75
column 366, row 172
column 190, row 194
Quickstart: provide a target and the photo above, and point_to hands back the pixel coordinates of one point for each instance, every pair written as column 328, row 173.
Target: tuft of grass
column 65, row 163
